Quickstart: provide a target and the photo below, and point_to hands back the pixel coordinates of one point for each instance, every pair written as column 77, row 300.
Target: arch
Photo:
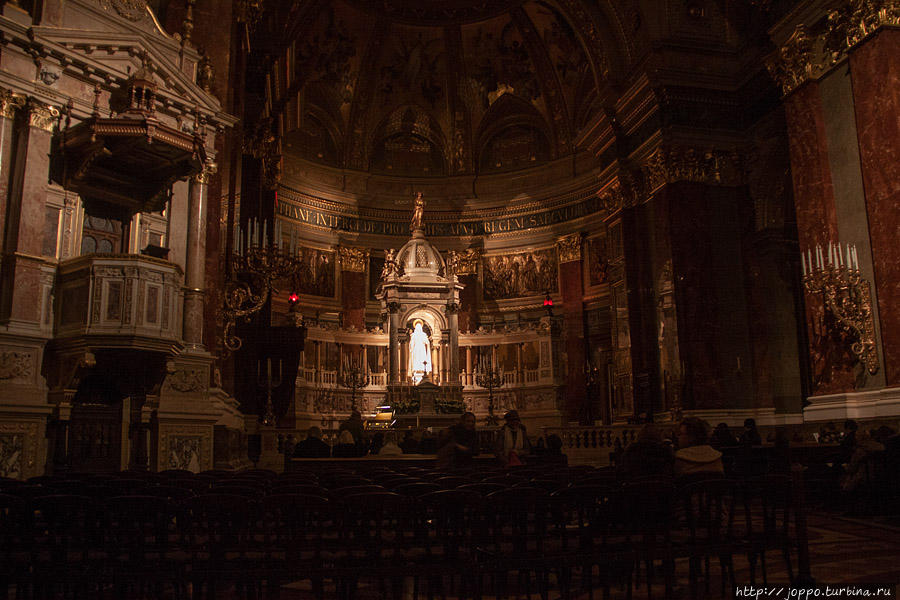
column 510, row 119
column 408, row 142
column 436, row 320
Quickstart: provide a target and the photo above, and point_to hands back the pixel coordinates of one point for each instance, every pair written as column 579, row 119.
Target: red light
column 548, row 301
column 294, row 298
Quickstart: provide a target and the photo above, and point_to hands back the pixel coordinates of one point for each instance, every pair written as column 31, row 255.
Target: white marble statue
column 419, row 353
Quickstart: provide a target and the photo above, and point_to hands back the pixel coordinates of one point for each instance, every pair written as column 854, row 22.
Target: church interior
column 250, row 248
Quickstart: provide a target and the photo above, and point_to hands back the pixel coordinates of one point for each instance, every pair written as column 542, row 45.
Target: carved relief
column 353, row 259
column 133, row 10
column 16, row 365
column 519, row 275
column 12, row 447
column 188, row 380
column 598, row 263
column 315, row 272
column 467, row 262
column 184, row 452
column 263, row 144
column 569, row 248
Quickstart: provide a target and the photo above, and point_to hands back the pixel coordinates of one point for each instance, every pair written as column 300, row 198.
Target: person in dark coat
column 312, row 446
column 462, row 440
column 750, row 436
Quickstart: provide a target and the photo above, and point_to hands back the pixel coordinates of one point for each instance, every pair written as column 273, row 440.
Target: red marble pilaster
column 353, row 299
column 830, row 361
column 21, row 283
column 468, row 302
column 875, row 74
column 571, row 285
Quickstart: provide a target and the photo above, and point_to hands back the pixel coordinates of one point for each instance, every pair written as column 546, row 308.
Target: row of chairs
column 445, row 535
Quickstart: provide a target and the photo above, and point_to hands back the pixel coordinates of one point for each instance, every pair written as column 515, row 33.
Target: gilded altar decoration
column 569, row 248
column 520, row 275
column 846, row 294
column 353, row 259
column 465, row 262
column 418, row 218
column 263, row 144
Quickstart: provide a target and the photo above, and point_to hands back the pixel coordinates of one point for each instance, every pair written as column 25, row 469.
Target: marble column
column 195, row 263
column 520, row 375
column 25, row 213
column 394, row 343
column 816, row 224
column 435, row 363
column 318, row 361
column 571, row 283
column 10, row 103
column 453, row 346
column 468, row 380
column 875, row 76
column 354, row 262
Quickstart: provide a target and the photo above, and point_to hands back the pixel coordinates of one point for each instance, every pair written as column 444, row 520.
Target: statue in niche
column 419, row 353
column 418, row 218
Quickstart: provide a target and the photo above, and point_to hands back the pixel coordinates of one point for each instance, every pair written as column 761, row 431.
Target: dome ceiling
column 434, row 88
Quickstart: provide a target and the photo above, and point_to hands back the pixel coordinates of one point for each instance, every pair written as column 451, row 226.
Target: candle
column 265, row 238
column 855, row 260
column 269, row 368
column 849, row 259
column 803, row 263
column 830, row 254
column 809, row 259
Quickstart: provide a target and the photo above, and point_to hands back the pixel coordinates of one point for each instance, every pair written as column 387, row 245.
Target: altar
column 420, row 300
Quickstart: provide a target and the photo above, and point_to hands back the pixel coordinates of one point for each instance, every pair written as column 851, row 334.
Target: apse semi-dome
column 436, row 88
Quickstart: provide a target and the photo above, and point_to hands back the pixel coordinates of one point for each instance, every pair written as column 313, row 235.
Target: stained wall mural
column 519, row 275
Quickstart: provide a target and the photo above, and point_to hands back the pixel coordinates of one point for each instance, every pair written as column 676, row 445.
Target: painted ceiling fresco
column 487, row 86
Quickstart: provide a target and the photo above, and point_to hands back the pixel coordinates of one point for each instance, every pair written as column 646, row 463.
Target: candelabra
column 255, row 268
column 846, row 294
column 269, row 384
column 353, row 379
column 489, row 379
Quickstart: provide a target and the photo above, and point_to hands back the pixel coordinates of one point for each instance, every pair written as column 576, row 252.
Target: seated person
column 647, row 456
column 512, row 439
column 390, row 447
column 721, row 437
column 312, row 446
column 750, row 436
column 409, row 445
column 461, row 443
column 694, row 455
column 428, row 445
column 345, row 448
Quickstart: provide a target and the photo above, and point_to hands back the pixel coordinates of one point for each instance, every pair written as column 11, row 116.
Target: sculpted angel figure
column 390, row 265
column 418, row 218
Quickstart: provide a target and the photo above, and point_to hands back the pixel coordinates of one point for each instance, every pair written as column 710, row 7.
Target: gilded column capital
column 806, row 55
column 10, row 102
column 203, row 176
column 569, row 248
column 353, row 259
column 613, row 197
column 797, row 61
column 41, row 116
